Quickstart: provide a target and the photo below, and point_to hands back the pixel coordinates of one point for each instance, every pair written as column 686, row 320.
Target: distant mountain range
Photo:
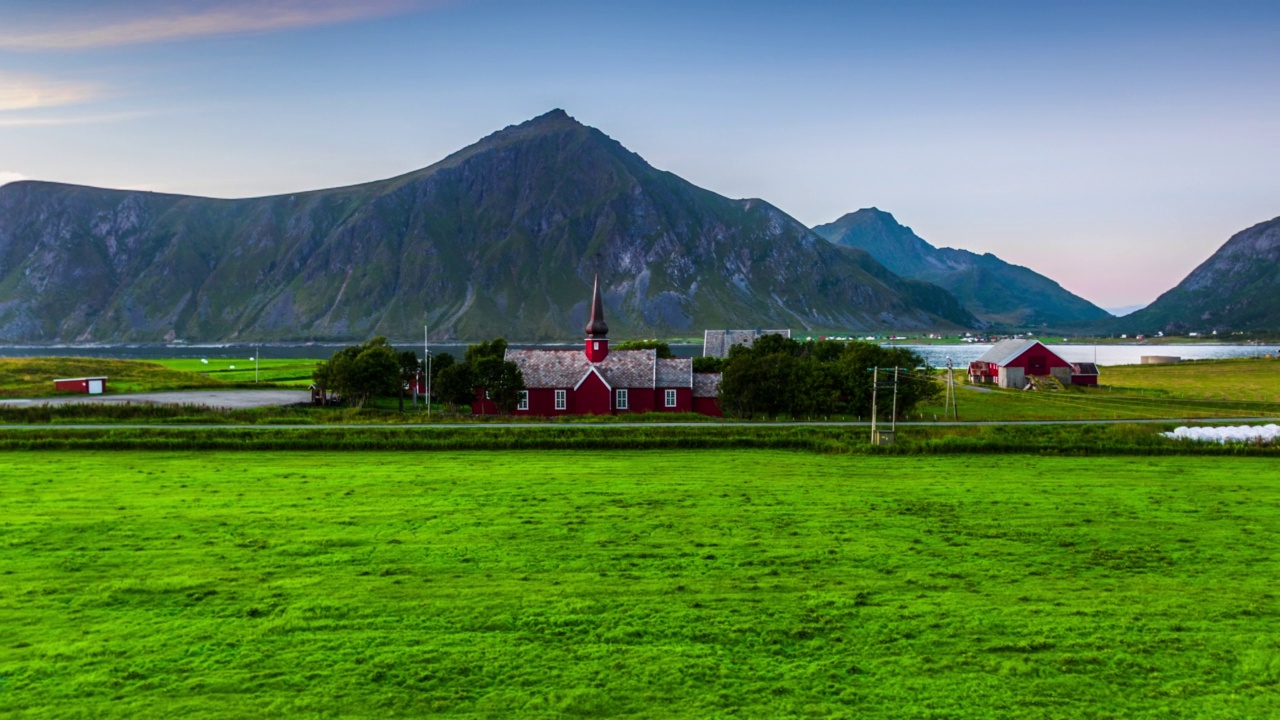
column 500, row 238
column 997, row 292
column 1237, row 288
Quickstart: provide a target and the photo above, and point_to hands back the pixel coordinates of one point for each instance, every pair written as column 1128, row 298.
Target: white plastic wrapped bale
column 1219, row 434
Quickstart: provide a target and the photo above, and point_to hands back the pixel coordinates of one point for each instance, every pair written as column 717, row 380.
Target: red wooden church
column 595, row 381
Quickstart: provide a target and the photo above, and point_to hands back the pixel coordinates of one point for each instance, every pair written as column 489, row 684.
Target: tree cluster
column 359, row 373
column 816, row 378
column 663, row 349
column 482, row 368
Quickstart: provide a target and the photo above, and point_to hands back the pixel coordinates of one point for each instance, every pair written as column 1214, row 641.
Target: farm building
column 85, row 385
column 1013, row 364
column 1084, row 374
column 595, row 381
column 716, row 343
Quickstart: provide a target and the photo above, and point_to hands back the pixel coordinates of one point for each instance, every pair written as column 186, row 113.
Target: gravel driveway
column 231, row 399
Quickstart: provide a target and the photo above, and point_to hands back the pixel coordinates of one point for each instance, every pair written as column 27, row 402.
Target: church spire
column 597, row 330
column 596, row 326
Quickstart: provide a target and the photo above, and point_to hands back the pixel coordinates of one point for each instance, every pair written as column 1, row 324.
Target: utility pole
column 951, row 384
column 426, row 360
column 893, row 419
column 875, row 384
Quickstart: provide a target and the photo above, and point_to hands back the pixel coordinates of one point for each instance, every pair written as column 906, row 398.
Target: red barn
column 1009, row 364
column 85, row 385
column 596, row 381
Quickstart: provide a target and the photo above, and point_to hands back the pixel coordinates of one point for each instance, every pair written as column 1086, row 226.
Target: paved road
column 230, row 399
column 607, row 425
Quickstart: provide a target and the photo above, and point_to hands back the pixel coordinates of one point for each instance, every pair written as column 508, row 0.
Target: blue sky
column 1111, row 146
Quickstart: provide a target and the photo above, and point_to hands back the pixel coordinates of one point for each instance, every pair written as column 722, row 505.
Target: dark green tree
column 359, row 373
column 496, row 348
column 708, row 364
column 410, row 371
column 455, row 387
column 663, row 349
column 501, row 380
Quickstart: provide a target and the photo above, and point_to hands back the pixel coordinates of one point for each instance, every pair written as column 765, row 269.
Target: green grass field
column 289, row 372
column 33, row 377
column 1202, row 389
column 1236, row 379
column 637, row 584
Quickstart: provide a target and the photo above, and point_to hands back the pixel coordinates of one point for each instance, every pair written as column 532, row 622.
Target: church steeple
column 597, row 330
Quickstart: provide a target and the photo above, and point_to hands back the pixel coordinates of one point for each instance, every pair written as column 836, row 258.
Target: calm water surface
column 936, row 355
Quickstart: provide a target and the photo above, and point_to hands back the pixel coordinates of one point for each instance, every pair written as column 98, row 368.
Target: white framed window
column 486, row 395
column 524, row 400
column 622, row 399
column 562, row 399
column 671, row 398
column 595, row 345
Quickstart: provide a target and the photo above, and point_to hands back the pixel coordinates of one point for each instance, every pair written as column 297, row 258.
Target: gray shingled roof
column 565, row 368
column 675, row 373
column 1005, row 351
column 716, row 343
column 706, row 385
column 550, row 368
column 629, row 368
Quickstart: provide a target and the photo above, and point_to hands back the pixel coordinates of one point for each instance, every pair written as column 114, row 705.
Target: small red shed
column 85, row 385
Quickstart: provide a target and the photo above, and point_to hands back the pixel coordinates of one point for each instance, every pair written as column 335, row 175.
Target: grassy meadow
column 1244, row 387
column 282, row 372
column 33, row 377
column 661, row 584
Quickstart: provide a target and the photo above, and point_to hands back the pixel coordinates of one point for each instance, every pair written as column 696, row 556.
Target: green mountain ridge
column 995, row 291
column 1237, row 288
column 499, row 238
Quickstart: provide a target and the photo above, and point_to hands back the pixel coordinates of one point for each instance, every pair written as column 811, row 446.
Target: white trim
column 672, row 399
column 562, row 399
column 524, row 400
column 621, row 401
column 588, row 373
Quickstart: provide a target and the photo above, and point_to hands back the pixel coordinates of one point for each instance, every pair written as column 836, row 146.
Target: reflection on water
column 936, row 355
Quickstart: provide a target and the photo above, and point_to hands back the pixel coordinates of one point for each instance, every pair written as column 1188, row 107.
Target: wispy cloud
column 7, row 177
column 219, row 18
column 33, row 92
column 19, row 122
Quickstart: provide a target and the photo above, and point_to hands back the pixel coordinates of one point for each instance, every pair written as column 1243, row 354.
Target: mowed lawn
column 656, row 584
column 280, row 371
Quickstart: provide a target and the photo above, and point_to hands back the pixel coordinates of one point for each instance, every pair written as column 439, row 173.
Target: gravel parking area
column 231, row 399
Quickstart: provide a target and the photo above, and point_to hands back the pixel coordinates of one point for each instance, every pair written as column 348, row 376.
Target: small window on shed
column 671, row 398
column 622, row 399
column 524, row 400
column 562, row 399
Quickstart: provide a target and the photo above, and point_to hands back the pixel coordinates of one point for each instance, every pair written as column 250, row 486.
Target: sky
column 1111, row 146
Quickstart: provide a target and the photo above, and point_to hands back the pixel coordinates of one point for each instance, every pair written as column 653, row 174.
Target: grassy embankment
column 33, row 377
column 656, row 585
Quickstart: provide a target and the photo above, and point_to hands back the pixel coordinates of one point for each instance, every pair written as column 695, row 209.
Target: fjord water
column 934, row 355
column 962, row 355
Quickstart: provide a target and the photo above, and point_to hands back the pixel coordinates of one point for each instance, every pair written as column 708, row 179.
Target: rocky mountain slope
column 1237, row 288
column 501, row 238
column 992, row 289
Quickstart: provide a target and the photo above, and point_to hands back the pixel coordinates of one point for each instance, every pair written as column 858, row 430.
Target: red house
column 1009, row 364
column 595, row 381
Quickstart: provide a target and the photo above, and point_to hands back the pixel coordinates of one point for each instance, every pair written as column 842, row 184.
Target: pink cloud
column 223, row 18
